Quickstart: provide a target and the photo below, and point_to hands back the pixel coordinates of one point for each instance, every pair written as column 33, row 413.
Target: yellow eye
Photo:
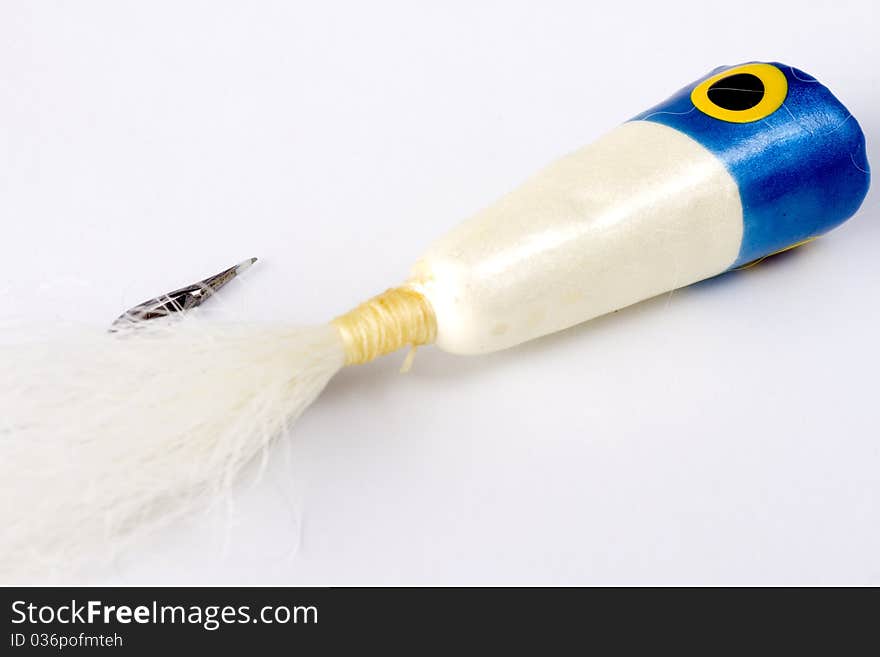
column 743, row 94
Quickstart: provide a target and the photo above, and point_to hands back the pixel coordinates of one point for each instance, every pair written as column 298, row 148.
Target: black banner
column 234, row 620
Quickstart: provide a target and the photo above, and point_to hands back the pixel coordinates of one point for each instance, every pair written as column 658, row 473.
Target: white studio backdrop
column 725, row 433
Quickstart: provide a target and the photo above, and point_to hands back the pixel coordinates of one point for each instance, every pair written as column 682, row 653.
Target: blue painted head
column 795, row 151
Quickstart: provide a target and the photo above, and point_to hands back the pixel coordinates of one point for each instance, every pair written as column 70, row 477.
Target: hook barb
column 180, row 300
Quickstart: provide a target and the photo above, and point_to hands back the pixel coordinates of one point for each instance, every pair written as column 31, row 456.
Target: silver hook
column 180, row 300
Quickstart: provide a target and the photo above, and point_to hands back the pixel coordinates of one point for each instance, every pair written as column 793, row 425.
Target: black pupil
column 737, row 92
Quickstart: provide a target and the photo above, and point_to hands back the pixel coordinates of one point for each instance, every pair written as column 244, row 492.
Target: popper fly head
column 796, row 153
column 745, row 162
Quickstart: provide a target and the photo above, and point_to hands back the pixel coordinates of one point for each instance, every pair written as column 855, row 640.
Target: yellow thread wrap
column 396, row 318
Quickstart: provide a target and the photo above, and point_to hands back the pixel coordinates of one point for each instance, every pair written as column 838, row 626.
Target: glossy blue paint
column 801, row 171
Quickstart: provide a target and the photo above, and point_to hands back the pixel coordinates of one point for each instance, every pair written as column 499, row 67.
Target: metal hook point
column 182, row 299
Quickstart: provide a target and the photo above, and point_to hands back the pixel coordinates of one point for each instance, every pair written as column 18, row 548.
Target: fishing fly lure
column 108, row 432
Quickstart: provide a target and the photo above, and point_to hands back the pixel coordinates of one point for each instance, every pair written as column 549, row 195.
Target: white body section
column 643, row 210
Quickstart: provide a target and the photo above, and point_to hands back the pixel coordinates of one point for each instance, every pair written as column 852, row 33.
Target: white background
column 726, row 433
